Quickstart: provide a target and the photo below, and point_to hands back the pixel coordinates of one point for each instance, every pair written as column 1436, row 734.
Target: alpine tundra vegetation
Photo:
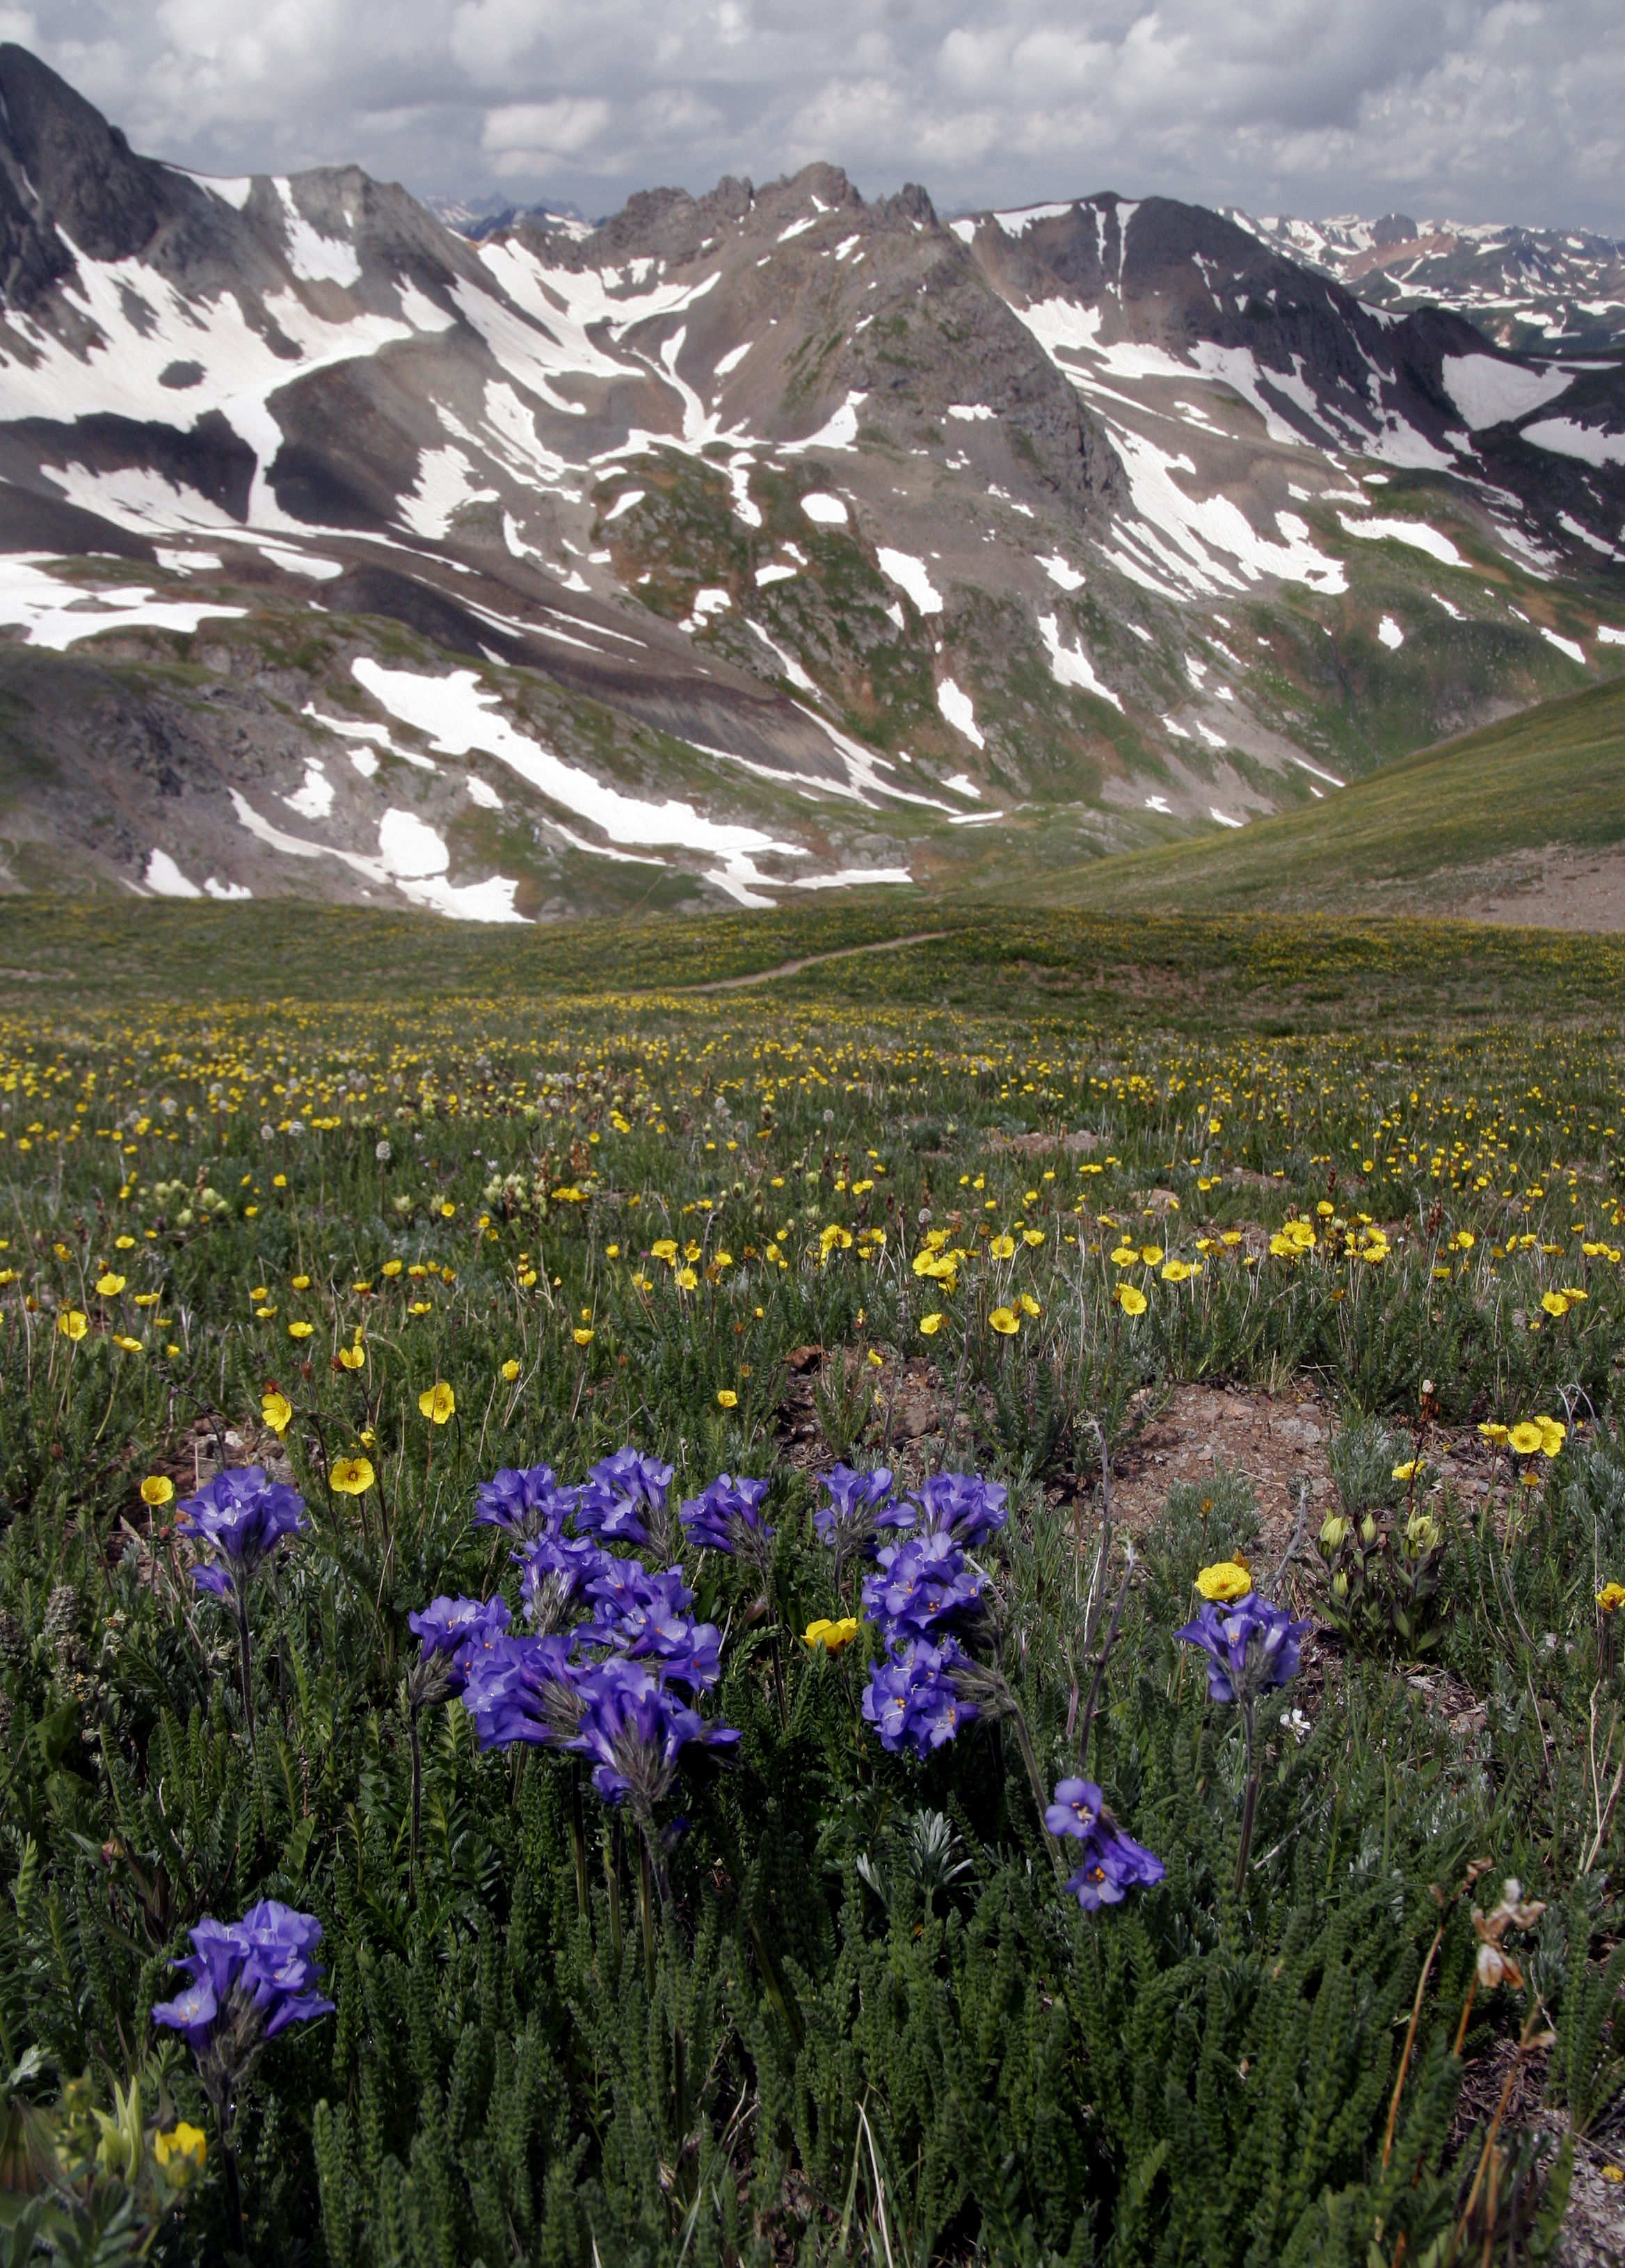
column 589, row 1669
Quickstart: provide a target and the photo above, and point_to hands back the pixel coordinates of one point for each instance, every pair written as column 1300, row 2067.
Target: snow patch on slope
column 1069, row 665
column 910, row 574
column 957, row 707
column 1490, row 392
column 1416, row 533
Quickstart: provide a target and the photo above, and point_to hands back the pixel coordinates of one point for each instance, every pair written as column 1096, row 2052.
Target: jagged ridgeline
column 768, row 540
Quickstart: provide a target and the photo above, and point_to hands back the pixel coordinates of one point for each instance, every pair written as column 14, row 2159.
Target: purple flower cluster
column 922, row 1580
column 453, row 1631
column 619, row 1491
column 911, row 1699
column 1251, row 1645
column 1111, row 1862
column 922, row 1588
column 962, row 1506
column 615, row 1658
column 239, row 1517
column 858, row 1505
column 262, row 1962
column 727, row 1517
column 527, row 1502
column 634, row 1729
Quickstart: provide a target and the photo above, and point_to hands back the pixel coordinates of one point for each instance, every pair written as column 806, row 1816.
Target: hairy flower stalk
column 1252, row 1645
column 450, row 1632
column 239, row 1518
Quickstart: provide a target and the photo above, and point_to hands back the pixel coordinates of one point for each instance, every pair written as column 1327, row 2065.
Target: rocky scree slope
column 747, row 544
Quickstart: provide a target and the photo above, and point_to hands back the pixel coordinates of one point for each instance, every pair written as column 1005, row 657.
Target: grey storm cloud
column 1513, row 111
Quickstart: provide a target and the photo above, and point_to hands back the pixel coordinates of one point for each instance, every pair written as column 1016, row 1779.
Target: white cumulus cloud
column 1477, row 109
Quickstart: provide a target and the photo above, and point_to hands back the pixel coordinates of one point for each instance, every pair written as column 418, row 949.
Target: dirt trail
column 812, row 959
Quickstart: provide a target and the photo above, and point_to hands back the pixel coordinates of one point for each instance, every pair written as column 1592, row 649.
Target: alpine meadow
column 812, row 1228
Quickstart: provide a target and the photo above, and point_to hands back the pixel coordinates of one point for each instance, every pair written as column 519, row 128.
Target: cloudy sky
column 1513, row 111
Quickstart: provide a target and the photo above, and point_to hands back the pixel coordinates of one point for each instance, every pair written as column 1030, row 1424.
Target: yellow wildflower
column 437, row 1402
column 109, row 1286
column 929, row 1325
column 1004, row 1323
column 277, row 1412
column 183, row 2146
column 73, row 1324
column 157, row 1489
column 1525, row 1439
column 1226, row 1579
column 832, row 1636
column 1611, row 1598
column 1131, row 1303
column 726, row 1399
column 352, row 1476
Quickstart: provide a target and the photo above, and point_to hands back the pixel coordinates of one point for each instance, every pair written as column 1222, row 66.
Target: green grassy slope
column 1275, row 974
column 1428, row 832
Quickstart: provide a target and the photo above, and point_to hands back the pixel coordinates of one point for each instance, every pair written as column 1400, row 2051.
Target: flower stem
column 233, row 2197
column 612, row 1876
column 1041, row 1794
column 417, row 1790
column 1251, row 1804
column 646, row 1904
column 578, row 1840
column 244, row 1664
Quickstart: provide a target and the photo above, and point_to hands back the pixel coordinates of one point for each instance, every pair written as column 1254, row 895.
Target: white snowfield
column 1490, row 392
column 1070, row 666
column 958, row 708
column 1588, row 443
column 1416, row 532
column 910, row 574
column 55, row 613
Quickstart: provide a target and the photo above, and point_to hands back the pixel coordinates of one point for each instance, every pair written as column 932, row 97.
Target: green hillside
column 1434, row 832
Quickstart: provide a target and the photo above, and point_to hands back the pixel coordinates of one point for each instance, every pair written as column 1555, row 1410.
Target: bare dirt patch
column 1556, row 889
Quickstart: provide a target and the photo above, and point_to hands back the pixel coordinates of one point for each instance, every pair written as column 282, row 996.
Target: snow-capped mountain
column 1530, row 289
column 764, row 542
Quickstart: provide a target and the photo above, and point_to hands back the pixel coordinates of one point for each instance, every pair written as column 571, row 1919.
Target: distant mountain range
column 741, row 545
column 1531, row 290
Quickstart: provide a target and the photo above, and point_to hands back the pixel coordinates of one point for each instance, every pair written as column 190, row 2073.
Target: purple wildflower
column 261, row 1962
column 241, row 1516
column 855, row 1501
column 963, row 1504
column 922, row 1580
column 523, row 1689
column 911, row 1699
column 452, row 1631
column 634, row 1730
column 1250, row 1645
column 645, row 1617
column 619, row 1491
column 726, row 1516
column 529, row 1502
column 1112, row 1862
column 557, row 1570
